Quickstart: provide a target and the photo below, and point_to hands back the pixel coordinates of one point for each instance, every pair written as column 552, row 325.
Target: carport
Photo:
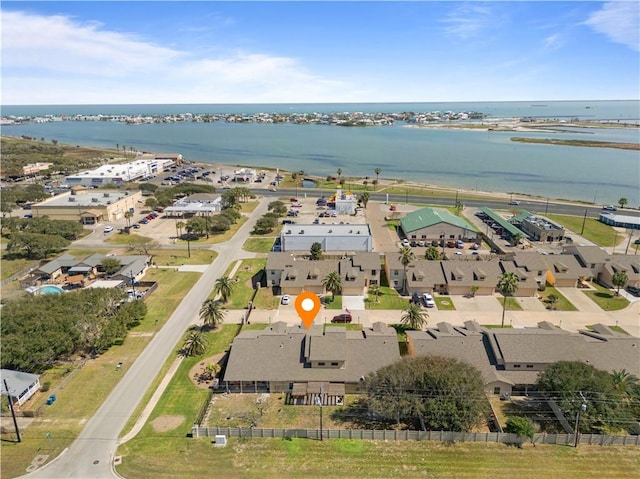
column 504, row 224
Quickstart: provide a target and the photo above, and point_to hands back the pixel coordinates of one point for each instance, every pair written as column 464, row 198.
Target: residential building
column 430, row 224
column 293, row 274
column 308, row 363
column 510, row 359
column 565, row 271
column 89, row 207
column 471, row 277
column 21, row 385
column 630, row 265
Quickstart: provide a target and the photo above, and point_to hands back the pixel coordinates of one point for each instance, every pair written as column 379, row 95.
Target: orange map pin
column 307, row 306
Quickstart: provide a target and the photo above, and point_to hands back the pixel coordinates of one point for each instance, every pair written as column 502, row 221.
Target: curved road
column 91, row 455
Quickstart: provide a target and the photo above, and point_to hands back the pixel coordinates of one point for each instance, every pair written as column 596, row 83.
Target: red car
column 341, row 318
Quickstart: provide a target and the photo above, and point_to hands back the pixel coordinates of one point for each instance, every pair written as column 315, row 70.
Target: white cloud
column 469, row 20
column 619, row 21
column 55, row 59
column 553, row 42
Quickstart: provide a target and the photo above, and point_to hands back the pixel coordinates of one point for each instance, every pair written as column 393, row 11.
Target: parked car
column 135, row 226
column 341, row 318
column 413, row 244
column 405, row 242
column 428, row 300
column 285, row 299
column 634, row 290
column 108, row 229
column 421, row 243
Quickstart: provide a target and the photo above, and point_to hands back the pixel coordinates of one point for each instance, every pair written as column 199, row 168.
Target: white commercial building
column 344, row 237
column 118, row 174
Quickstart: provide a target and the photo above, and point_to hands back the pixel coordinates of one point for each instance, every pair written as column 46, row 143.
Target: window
column 334, row 364
column 516, row 365
column 496, row 390
column 452, row 236
column 413, row 236
column 373, row 272
column 530, row 366
column 321, row 364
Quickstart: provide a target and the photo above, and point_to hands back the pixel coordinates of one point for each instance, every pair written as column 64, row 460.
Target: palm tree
column 364, row 198
column 127, row 216
column 406, row 257
column 195, row 344
column 223, row 287
column 375, row 291
column 377, row 171
column 624, row 382
column 179, row 226
column 619, row 280
column 333, row 283
column 516, row 238
column 623, row 202
column 339, row 171
column 507, row 284
column 212, row 313
column 432, row 254
column 414, row 317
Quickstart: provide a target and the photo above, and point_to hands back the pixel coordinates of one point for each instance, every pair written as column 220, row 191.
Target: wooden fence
column 406, row 435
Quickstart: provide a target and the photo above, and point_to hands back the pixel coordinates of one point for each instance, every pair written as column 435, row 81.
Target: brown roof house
column 511, row 358
column 627, row 264
column 294, row 274
column 463, row 276
column 306, row 364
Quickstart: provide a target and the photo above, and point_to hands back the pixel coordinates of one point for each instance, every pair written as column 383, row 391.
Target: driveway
column 580, row 300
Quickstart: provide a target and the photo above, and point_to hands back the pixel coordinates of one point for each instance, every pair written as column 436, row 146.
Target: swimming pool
column 50, row 289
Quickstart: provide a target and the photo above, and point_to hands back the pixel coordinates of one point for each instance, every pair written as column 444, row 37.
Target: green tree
column 212, row 313
column 265, row 224
column 515, row 239
column 375, row 291
column 520, row 426
column 377, row 171
column 219, row 224
column 316, row 251
column 448, row 394
column 35, row 245
column 195, row 344
column 432, row 254
column 197, row 225
column 278, row 207
column 224, row 288
column 151, row 203
column 406, row 257
column 507, row 285
column 111, row 265
column 143, row 244
column 414, row 317
column 619, row 280
column 623, row 202
column 625, row 383
column 565, row 380
column 552, row 299
column 151, row 187
column 332, row 282
column 339, row 171
column 179, row 227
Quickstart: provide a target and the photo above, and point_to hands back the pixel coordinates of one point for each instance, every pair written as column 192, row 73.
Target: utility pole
column 583, row 408
column 584, row 220
column 13, row 413
column 319, row 403
column 546, row 208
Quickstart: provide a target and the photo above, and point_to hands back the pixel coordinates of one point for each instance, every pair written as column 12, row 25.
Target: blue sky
column 289, row 52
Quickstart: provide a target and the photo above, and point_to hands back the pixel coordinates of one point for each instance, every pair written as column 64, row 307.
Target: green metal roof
column 426, row 217
column 502, row 222
column 520, row 216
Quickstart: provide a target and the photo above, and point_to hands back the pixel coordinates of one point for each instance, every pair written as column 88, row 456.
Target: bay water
column 468, row 159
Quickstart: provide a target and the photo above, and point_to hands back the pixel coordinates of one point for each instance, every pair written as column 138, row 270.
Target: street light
column 583, row 408
column 319, row 403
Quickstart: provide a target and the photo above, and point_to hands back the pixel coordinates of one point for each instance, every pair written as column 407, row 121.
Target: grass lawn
column 169, row 456
column 76, row 402
column 243, row 289
column 444, row 303
column 512, row 304
column 594, row 230
column 563, row 304
column 388, row 299
column 606, row 299
column 259, row 245
column 265, row 299
column 331, row 302
column 215, row 238
column 9, row 267
column 248, row 207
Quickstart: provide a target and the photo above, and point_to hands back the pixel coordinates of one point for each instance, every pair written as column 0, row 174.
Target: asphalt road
column 534, row 206
column 91, row 455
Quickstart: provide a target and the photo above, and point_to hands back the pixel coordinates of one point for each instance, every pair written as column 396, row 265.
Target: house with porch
column 21, row 385
column 306, row 364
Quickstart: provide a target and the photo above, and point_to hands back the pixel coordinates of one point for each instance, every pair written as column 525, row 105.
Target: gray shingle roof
column 278, row 353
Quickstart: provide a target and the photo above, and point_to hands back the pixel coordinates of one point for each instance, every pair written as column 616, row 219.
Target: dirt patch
column 200, row 376
column 167, row 423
